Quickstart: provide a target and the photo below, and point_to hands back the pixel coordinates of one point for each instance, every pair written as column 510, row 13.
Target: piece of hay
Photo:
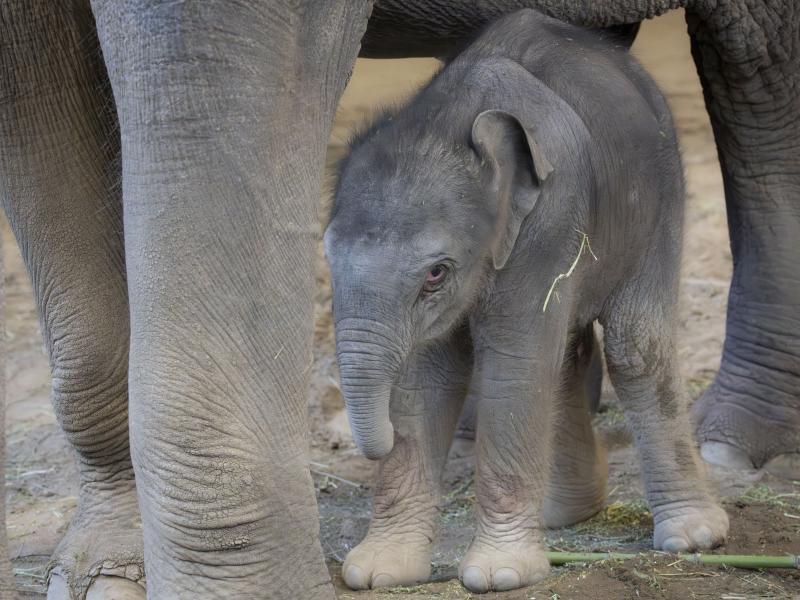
column 584, row 244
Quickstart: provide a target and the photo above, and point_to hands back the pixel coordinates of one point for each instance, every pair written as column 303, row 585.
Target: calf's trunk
column 369, row 364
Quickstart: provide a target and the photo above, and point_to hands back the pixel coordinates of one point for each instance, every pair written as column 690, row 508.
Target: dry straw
column 584, row 245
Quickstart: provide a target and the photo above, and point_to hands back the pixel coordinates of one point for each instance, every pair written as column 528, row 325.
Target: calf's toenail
column 475, row 580
column 355, row 579
column 703, row 537
column 675, row 543
column 505, row 579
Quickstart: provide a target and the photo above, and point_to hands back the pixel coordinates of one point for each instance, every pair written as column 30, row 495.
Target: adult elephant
column 184, row 327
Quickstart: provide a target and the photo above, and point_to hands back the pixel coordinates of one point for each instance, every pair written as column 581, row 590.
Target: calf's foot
column 101, row 555
column 388, row 560
column 689, row 528
column 503, row 561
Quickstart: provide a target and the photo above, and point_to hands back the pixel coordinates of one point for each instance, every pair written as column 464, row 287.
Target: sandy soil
column 765, row 513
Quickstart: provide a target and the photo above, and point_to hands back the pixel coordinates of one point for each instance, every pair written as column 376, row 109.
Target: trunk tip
column 378, row 446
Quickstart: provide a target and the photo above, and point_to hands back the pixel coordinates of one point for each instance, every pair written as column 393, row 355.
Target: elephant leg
column 468, row 420
column 518, row 360
column 642, row 364
column 224, row 111
column 425, row 405
column 748, row 58
column 59, row 187
column 576, row 489
column 7, row 587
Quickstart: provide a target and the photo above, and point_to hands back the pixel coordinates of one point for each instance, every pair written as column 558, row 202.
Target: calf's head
column 419, row 219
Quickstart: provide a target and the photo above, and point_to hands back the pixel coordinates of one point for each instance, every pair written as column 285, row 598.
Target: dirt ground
column 765, row 512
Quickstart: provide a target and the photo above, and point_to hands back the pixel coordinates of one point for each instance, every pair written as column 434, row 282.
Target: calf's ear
column 517, row 168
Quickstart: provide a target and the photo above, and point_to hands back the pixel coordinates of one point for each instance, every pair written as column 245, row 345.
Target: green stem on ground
column 732, row 560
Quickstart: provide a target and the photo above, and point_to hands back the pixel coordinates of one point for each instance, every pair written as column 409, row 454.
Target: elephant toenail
column 726, row 456
column 355, row 578
column 107, row 587
column 675, row 543
column 785, row 466
column 383, row 580
column 475, row 580
column 505, row 579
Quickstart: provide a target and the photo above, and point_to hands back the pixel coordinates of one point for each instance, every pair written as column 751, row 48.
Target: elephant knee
column 90, row 393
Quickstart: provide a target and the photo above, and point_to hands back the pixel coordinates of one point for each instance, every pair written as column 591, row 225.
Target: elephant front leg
column 224, row 112
column 748, row 58
column 8, row 590
column 59, row 177
column 514, row 431
column 425, row 405
column 576, row 489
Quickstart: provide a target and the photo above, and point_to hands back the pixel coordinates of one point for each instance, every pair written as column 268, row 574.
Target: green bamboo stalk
column 732, row 560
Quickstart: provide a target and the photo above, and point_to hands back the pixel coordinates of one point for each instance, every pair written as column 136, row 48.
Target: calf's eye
column 435, row 278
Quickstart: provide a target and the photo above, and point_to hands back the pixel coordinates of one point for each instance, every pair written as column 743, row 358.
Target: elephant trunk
column 368, row 365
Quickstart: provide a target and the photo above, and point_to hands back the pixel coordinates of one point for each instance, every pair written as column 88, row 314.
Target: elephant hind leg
column 748, row 58
column 59, row 187
column 577, row 486
column 642, row 364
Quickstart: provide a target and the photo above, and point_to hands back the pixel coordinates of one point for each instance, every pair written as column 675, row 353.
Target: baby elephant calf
column 532, row 187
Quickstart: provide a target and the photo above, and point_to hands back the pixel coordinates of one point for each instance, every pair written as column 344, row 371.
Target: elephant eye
column 435, row 278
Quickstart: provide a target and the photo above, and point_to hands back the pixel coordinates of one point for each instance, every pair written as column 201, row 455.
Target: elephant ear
column 517, row 168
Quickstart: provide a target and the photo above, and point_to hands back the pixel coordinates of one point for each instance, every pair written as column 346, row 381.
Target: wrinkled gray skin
column 202, row 293
column 7, row 589
column 195, row 311
column 488, row 176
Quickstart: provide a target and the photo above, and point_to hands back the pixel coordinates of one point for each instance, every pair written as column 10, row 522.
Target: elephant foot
column 499, row 565
column 388, row 561
column 101, row 556
column 741, row 432
column 785, row 466
column 689, row 528
column 102, row 587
